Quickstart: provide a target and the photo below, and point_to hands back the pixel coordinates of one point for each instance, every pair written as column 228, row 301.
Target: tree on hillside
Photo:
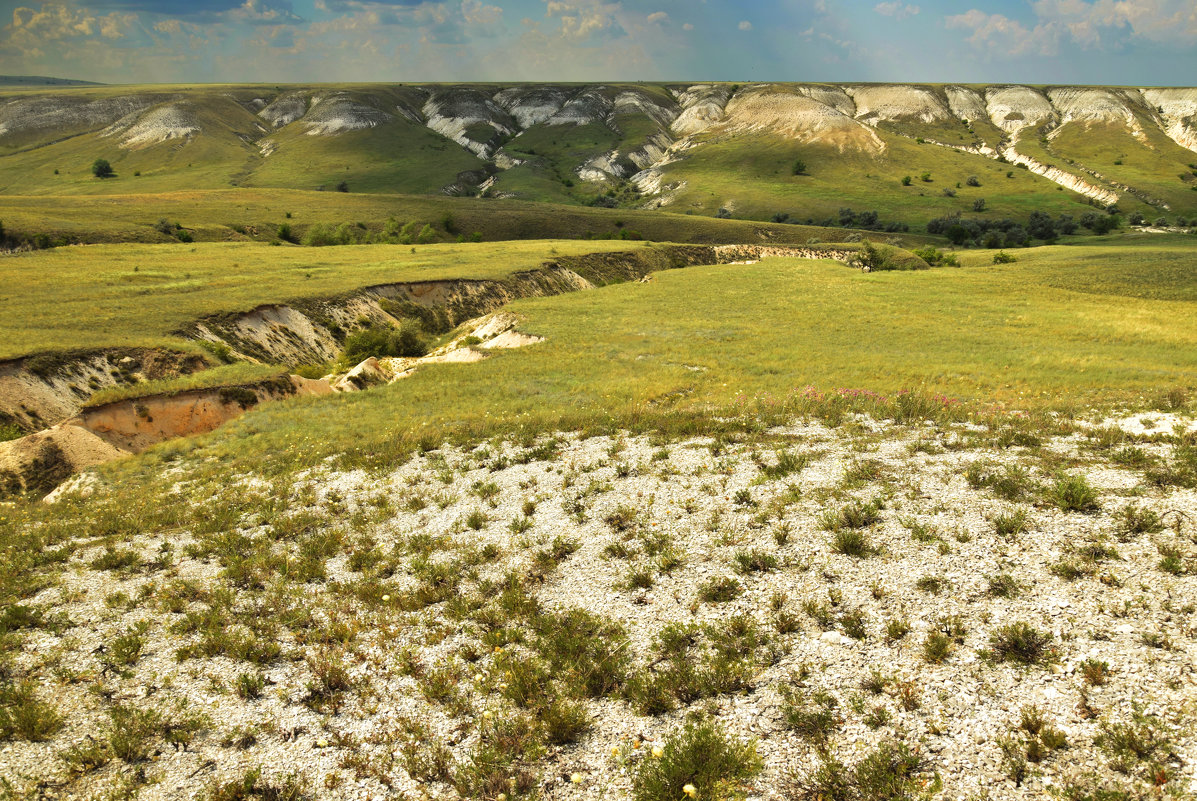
column 799, row 167
column 102, row 169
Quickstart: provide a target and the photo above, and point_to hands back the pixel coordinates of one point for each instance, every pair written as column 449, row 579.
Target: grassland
column 112, row 295
column 1105, row 324
column 751, row 175
column 256, row 214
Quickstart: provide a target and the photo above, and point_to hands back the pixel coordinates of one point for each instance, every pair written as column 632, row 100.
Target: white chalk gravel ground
column 706, row 503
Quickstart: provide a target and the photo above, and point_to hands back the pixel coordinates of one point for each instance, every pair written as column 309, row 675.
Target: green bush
column 934, row 257
column 102, row 169
column 381, row 341
column 877, row 258
column 698, row 756
column 1002, row 257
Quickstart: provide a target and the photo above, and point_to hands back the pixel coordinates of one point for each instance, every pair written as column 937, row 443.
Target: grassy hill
column 698, row 149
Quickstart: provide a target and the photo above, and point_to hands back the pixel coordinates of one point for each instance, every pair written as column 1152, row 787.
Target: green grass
column 111, row 295
column 751, row 175
column 221, row 376
column 626, row 354
column 224, row 215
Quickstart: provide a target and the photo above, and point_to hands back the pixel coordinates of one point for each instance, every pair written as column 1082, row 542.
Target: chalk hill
column 695, row 148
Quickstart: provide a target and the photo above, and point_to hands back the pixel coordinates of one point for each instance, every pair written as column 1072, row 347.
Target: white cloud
column 687, row 27
column 658, row 16
column 745, row 25
column 1095, row 24
column 896, row 9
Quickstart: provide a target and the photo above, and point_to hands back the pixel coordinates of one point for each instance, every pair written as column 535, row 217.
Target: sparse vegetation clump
column 698, row 762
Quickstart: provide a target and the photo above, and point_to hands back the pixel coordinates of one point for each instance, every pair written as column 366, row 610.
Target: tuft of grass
column 720, row 590
column 937, row 647
column 699, row 758
column 1133, row 521
column 787, row 464
column 755, row 561
column 896, row 629
column 1072, row 493
column 251, row 786
column 120, row 559
column 854, row 515
column 249, row 686
column 892, row 771
column 1010, row 524
column 1023, row 643
column 1003, row 585
column 932, row 584
column 812, row 716
column 852, row 542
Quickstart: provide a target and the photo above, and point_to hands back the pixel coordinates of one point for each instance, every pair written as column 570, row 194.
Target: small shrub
column 1002, row 257
column 1010, row 524
column 890, row 772
column 102, row 169
column 407, row 340
column 1021, row 642
column 1072, row 493
column 851, row 542
column 937, row 647
column 720, row 590
column 755, row 562
column 812, row 718
column 1095, row 672
column 697, row 762
column 252, row 786
column 1003, row 585
column 1133, row 521
column 250, row 685
column 23, row 716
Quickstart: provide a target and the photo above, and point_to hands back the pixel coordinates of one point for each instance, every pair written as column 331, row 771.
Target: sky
column 1131, row 42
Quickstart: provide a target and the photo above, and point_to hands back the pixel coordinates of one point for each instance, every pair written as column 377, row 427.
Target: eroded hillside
column 699, row 148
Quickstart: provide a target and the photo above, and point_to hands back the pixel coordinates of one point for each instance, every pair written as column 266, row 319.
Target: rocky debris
column 470, row 118
column 335, row 113
column 531, row 104
column 146, row 128
column 286, row 108
column 967, row 104
column 702, row 106
column 899, row 102
column 1178, row 111
column 1120, row 641
column 63, row 113
column 790, row 113
column 1013, row 108
column 368, row 373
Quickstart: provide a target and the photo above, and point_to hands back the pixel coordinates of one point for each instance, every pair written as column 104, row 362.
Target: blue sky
column 1136, row 42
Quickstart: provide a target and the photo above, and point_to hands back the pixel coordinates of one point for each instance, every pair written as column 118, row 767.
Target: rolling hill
column 792, row 151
